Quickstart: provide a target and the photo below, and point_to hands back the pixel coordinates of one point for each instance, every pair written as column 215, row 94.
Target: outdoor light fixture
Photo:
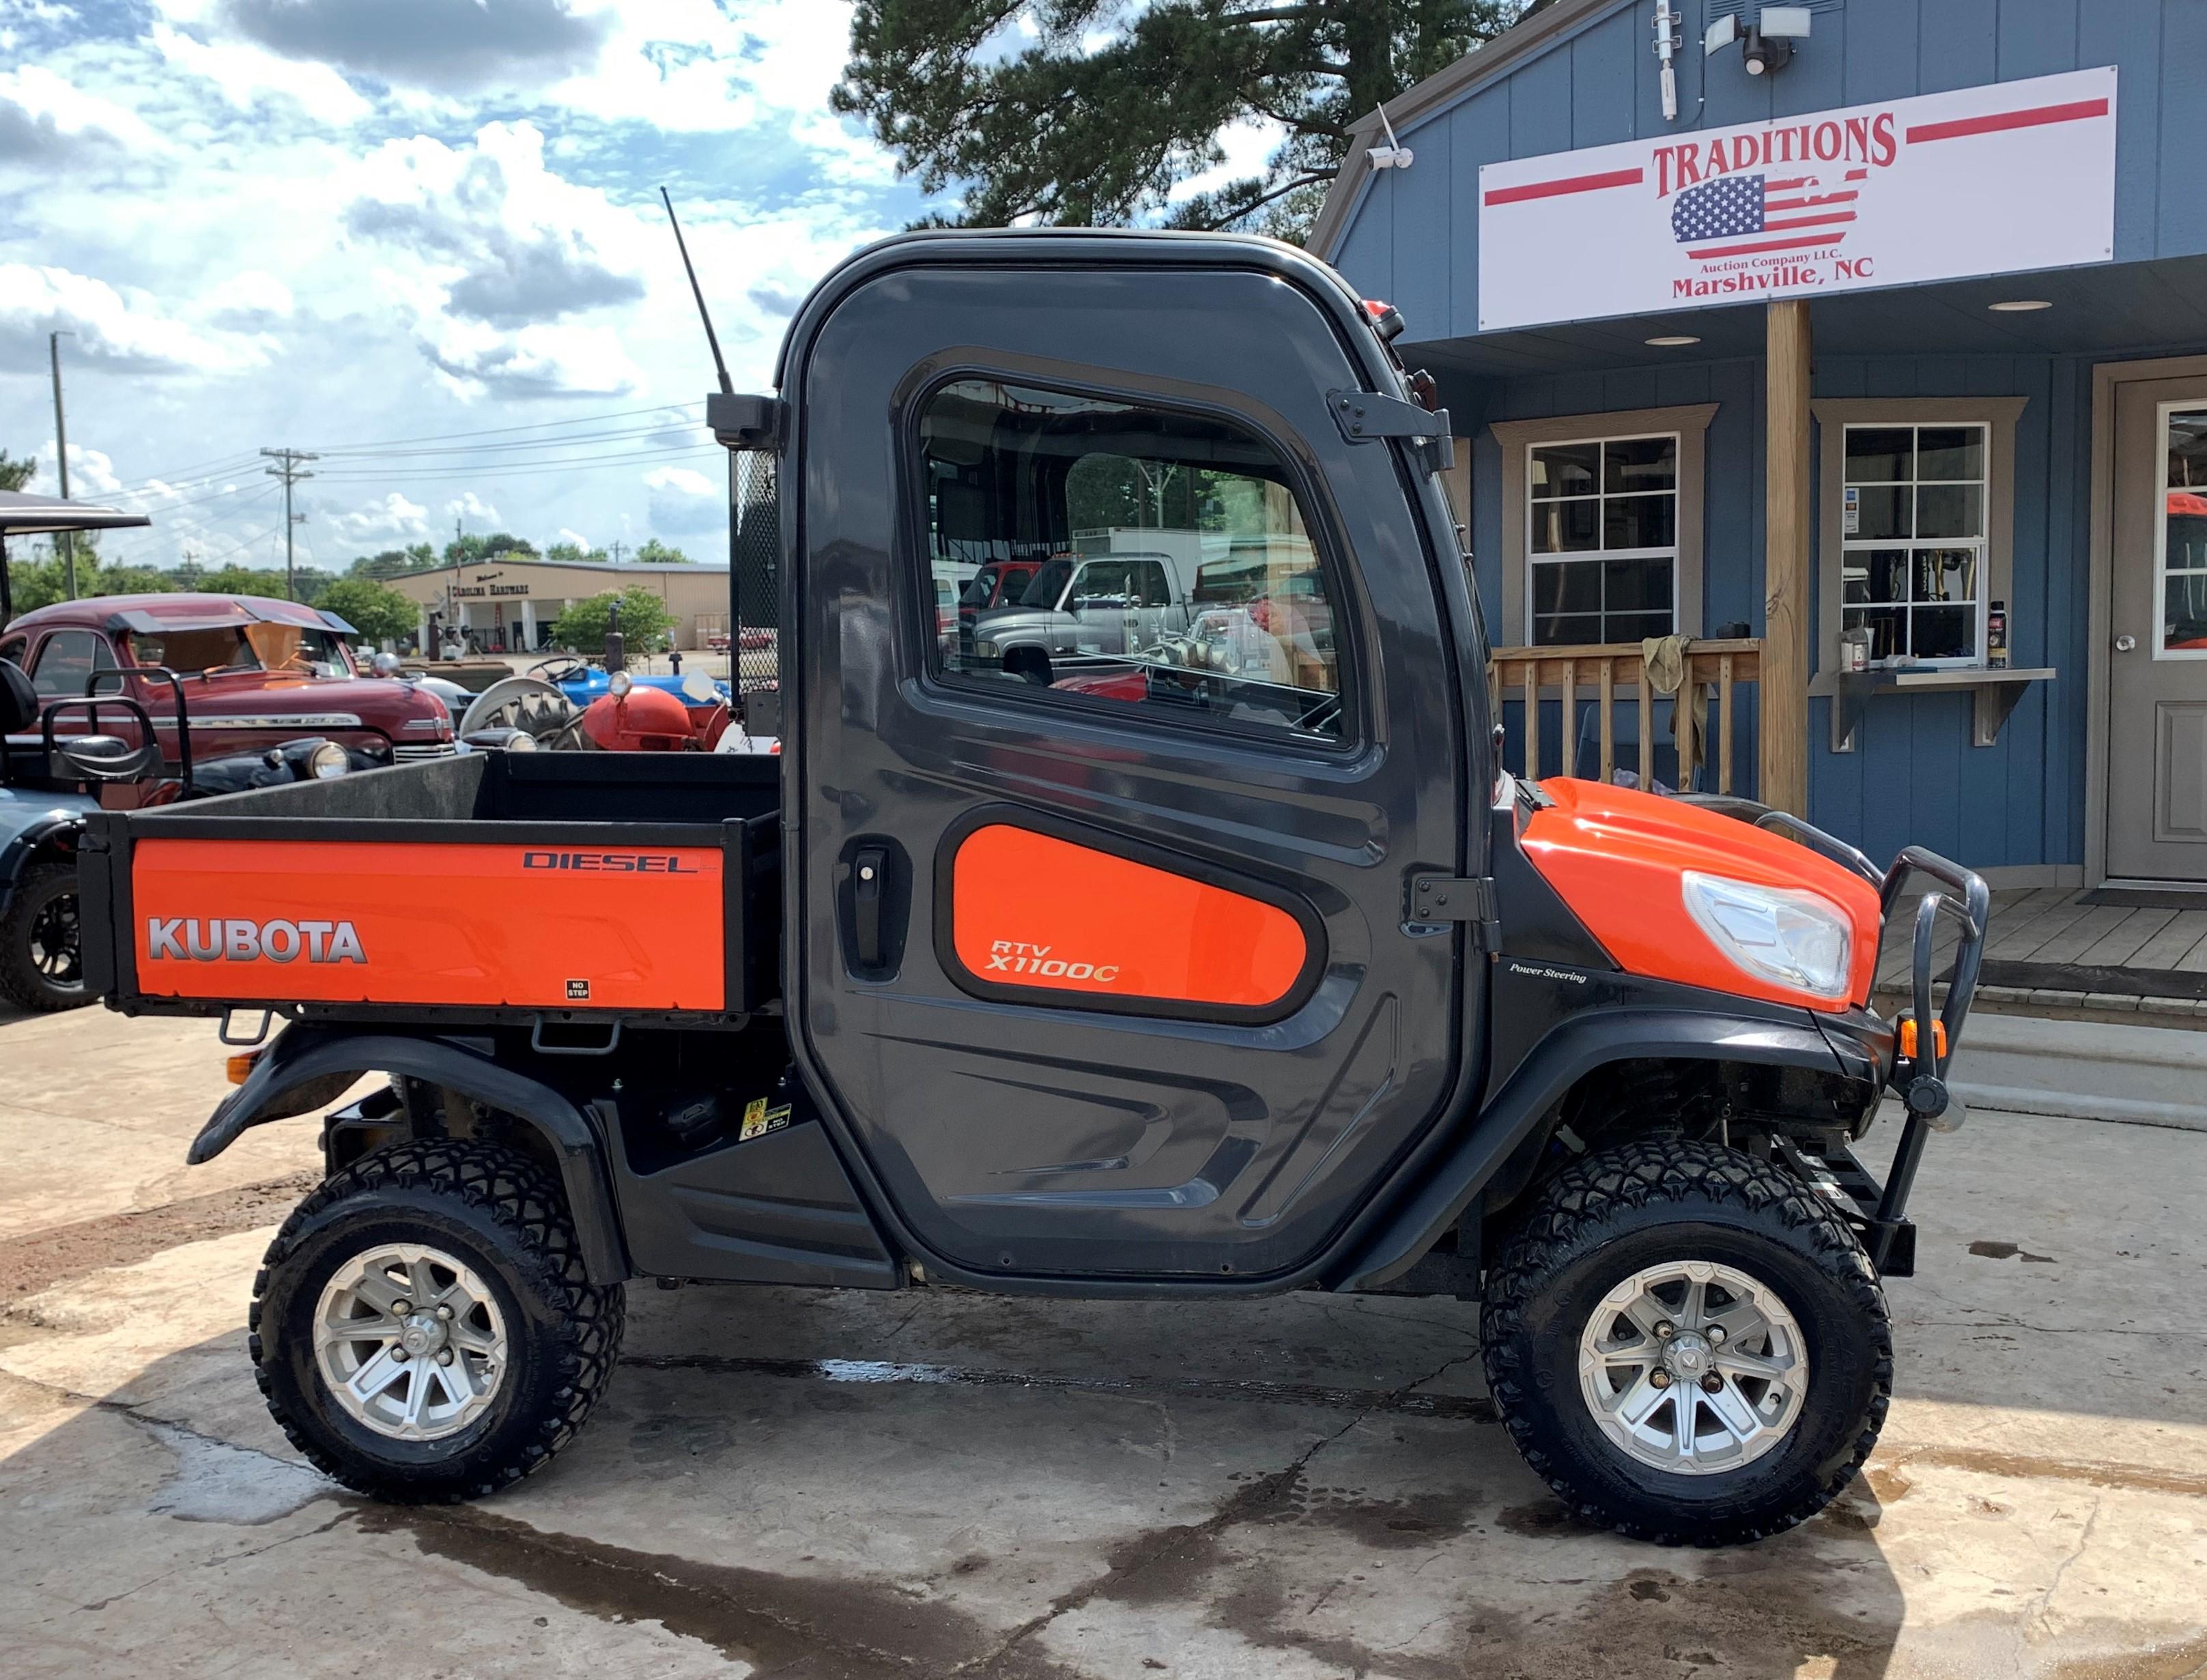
column 1672, row 341
column 2020, row 306
column 1766, row 44
column 1394, row 154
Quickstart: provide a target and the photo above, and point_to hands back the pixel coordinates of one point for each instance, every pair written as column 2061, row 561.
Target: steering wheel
column 565, row 668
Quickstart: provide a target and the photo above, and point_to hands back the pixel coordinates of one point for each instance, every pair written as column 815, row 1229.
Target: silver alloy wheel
column 410, row 1342
column 1693, row 1367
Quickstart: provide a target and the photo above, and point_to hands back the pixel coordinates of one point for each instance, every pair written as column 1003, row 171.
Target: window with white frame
column 1602, row 546
column 1912, row 538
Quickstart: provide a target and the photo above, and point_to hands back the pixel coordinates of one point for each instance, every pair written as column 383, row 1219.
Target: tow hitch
column 1924, row 1043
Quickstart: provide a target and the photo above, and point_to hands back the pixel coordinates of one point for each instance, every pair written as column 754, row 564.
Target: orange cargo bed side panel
column 399, row 922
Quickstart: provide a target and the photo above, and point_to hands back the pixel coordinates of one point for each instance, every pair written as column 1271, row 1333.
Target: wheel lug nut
column 399, row 1356
column 1712, row 1383
column 1665, row 1330
column 1658, row 1378
column 1716, row 1334
column 399, row 1309
column 443, row 1312
column 445, row 1358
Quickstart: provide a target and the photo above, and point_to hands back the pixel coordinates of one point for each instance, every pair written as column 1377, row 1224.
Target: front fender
column 307, row 1066
column 1563, row 1057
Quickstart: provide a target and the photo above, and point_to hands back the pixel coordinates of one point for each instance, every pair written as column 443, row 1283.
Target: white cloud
column 128, row 331
column 248, row 75
column 472, row 508
column 248, row 299
column 92, row 473
column 1249, row 145
column 392, row 519
column 682, row 478
column 39, row 113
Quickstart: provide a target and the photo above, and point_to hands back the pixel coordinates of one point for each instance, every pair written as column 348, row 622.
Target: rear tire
column 41, row 945
column 1607, row 1243
column 483, row 1399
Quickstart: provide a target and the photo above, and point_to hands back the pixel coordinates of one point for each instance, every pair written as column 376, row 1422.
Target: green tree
column 467, row 549
column 644, row 621
column 236, row 580
column 397, row 562
column 573, row 554
column 655, row 553
column 14, row 473
column 1107, row 109
column 378, row 612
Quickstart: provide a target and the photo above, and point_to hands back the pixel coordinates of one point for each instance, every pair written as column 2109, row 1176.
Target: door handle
column 866, row 869
column 2124, row 643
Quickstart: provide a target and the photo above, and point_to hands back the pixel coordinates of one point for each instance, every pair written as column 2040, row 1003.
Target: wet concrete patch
column 792, row 1626
column 2010, row 1251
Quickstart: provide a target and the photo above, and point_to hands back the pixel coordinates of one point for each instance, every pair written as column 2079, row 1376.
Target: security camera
column 1767, row 44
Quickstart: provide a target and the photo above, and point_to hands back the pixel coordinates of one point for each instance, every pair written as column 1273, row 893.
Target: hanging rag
column 1663, row 661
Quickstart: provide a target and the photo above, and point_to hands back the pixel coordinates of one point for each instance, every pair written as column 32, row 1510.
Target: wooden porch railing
column 1613, row 670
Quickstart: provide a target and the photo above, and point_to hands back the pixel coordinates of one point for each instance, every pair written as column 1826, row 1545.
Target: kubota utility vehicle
column 1243, row 976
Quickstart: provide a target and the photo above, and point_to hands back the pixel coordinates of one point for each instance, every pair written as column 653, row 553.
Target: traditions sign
column 1983, row 180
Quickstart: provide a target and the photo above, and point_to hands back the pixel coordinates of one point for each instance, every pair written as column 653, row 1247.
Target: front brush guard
column 1920, row 1079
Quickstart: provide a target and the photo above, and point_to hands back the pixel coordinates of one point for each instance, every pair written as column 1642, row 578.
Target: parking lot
column 931, row 1484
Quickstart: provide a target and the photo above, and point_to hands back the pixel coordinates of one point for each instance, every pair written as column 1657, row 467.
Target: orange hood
column 1616, row 856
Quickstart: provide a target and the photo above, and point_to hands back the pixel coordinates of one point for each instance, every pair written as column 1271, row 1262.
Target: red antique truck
column 255, row 672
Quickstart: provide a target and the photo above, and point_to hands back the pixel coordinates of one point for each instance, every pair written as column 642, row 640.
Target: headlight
column 328, row 760
column 619, row 684
column 1800, row 940
column 984, row 649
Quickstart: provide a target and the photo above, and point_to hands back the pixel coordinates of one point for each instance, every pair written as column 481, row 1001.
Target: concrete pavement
column 931, row 1484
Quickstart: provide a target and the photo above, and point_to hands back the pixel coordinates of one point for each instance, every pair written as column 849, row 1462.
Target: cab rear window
column 1167, row 564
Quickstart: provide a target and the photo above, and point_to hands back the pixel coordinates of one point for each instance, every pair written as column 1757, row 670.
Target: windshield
column 259, row 647
column 981, row 587
column 1048, row 585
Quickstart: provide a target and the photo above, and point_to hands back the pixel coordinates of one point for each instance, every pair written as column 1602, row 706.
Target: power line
column 540, row 426
column 418, row 475
column 519, row 446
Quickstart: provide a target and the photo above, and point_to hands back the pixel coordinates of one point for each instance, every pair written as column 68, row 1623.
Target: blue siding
column 1915, row 775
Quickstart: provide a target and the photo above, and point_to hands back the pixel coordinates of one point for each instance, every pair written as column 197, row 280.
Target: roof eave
column 1413, row 104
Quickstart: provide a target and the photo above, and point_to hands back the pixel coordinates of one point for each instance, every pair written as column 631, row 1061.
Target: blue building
column 1860, row 351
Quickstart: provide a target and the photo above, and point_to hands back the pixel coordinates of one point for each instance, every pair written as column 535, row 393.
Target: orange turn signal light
column 240, row 1066
column 1908, row 1037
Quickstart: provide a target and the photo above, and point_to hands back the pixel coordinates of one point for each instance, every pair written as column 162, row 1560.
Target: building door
column 2157, row 686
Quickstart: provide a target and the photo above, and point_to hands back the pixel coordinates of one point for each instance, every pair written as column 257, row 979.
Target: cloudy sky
column 398, row 232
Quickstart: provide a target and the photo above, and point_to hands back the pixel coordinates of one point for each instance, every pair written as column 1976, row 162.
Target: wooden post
column 1782, row 760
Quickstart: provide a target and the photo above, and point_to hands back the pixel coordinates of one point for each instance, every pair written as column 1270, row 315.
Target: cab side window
column 14, row 648
column 1172, row 566
column 67, row 661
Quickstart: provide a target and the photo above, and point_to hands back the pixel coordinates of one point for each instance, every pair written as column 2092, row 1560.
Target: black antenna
column 703, row 313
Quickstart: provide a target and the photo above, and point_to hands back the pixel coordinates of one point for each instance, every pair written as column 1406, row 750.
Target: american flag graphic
column 1736, row 215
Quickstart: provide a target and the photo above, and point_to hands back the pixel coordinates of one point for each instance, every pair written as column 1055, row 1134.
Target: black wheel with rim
column 423, row 1328
column 41, row 953
column 1688, row 1344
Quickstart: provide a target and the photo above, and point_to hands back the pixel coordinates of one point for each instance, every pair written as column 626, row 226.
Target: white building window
column 1602, row 540
column 1912, row 528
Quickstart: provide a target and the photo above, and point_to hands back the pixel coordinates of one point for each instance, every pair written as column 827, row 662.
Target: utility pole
column 287, row 469
column 615, row 549
column 60, row 450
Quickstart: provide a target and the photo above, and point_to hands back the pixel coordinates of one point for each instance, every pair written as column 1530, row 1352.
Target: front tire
column 423, row 1328
column 41, row 949
column 1689, row 1345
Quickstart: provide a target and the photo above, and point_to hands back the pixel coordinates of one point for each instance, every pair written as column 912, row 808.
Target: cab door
column 1112, row 977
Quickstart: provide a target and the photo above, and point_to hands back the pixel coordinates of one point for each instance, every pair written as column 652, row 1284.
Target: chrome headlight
column 1798, row 939
column 328, row 760
column 619, row 684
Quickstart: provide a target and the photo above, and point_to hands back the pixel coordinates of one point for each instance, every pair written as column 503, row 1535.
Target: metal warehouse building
column 1865, row 339
column 507, row 606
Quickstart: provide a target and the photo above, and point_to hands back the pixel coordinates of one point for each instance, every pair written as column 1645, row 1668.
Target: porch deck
column 2057, row 946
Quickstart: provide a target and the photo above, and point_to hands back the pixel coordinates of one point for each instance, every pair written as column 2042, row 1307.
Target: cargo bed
column 570, row 888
